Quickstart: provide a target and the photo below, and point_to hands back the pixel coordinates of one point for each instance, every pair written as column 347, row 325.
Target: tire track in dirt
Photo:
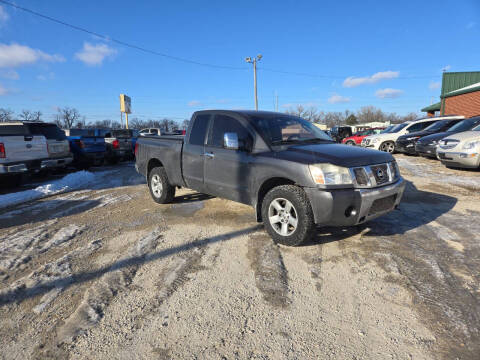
column 271, row 276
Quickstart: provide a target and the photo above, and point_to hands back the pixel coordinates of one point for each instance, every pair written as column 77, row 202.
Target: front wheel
column 350, row 142
column 388, row 146
column 160, row 189
column 287, row 215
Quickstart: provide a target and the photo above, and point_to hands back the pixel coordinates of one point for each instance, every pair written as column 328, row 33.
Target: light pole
column 254, row 62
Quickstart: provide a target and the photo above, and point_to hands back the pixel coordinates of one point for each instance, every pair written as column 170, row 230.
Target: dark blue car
column 87, row 149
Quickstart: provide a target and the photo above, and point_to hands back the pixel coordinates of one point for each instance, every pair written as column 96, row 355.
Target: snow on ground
column 71, row 182
column 470, row 179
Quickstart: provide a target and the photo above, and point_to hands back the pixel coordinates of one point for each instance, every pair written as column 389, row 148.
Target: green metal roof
column 465, row 90
column 452, row 81
column 433, row 107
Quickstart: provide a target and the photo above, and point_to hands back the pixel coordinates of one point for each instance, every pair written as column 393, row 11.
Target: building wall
column 467, row 105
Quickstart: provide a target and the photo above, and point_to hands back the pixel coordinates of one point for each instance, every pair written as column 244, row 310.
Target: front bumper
column 405, row 147
column 459, row 159
column 429, row 150
column 53, row 163
column 348, row 207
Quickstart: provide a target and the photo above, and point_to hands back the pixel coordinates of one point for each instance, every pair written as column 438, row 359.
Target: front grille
column 383, row 204
column 394, row 170
column 361, row 176
column 380, row 173
column 366, row 141
column 448, row 144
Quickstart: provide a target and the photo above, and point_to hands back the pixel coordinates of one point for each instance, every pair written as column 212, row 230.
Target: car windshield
column 278, row 129
column 476, row 128
column 465, row 125
column 398, row 127
column 51, row 132
column 387, row 130
column 437, row 125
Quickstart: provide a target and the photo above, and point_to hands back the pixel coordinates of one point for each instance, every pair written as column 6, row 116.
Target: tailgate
column 23, row 148
column 58, row 148
column 125, row 144
column 93, row 144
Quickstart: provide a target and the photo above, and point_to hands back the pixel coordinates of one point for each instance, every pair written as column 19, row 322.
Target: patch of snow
column 68, row 183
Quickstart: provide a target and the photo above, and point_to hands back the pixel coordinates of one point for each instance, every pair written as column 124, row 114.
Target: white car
column 461, row 149
column 150, row 131
column 20, row 151
column 386, row 140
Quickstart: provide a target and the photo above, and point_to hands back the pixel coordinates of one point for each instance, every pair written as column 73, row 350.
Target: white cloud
column 44, row 77
column 388, row 93
column 93, row 55
column 9, row 74
column 15, row 55
column 446, row 68
column 194, row 103
column 353, row 81
column 338, row 99
column 3, row 91
column 3, row 16
column 434, row 85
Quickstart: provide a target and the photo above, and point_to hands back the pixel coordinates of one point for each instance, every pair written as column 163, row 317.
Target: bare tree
column 185, row 123
column 67, row 117
column 165, row 124
column 6, row 115
column 28, row 115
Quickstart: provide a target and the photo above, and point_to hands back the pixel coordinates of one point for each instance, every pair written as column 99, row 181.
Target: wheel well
column 153, row 163
column 265, row 188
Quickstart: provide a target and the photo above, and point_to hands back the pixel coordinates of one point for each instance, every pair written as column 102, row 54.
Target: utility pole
column 254, row 62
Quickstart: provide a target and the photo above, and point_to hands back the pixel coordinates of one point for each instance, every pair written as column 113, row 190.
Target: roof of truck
column 245, row 112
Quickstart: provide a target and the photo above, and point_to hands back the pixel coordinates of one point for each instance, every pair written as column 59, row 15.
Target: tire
column 113, row 160
column 284, row 230
column 387, row 146
column 160, row 189
column 350, row 142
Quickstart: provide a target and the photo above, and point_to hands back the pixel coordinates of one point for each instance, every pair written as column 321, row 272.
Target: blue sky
column 383, row 53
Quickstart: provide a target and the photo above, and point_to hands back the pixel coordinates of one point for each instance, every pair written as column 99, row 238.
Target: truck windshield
column 279, row 129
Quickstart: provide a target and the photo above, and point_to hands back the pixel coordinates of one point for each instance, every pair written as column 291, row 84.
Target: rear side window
column 51, row 132
column 19, row 130
column 199, row 129
column 226, row 124
column 420, row 126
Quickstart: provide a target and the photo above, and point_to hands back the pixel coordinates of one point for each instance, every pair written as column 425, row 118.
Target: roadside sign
column 125, row 104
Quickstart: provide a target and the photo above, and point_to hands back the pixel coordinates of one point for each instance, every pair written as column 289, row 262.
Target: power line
column 120, row 42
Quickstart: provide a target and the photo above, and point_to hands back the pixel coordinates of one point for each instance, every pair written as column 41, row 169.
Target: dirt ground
column 106, row 273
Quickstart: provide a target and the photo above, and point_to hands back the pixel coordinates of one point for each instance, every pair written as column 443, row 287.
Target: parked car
column 386, row 141
column 356, row 139
column 87, row 148
column 151, row 131
column 58, row 146
column 338, row 133
column 406, row 143
column 427, row 146
column 118, row 142
column 461, row 149
column 20, row 151
column 290, row 171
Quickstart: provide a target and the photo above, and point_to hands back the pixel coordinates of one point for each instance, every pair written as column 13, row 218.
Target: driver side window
column 226, row 124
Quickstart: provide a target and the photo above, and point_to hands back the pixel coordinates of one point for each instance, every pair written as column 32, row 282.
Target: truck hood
column 336, row 154
column 465, row 136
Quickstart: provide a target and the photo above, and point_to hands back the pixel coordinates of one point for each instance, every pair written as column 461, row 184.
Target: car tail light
column 136, row 148
column 115, row 144
column 80, row 144
column 3, row 155
column 184, row 132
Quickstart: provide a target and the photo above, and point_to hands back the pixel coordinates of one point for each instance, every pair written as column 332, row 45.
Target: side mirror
column 230, row 141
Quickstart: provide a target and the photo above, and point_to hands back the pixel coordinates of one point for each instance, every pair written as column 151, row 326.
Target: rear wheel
column 160, row 189
column 388, row 146
column 287, row 215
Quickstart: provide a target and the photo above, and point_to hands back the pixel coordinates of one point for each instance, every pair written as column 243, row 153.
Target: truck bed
column 167, row 147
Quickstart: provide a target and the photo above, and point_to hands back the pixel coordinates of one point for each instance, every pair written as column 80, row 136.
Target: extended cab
column 290, row 171
column 21, row 151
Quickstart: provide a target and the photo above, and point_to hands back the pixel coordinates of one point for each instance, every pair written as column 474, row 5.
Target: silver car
column 461, row 150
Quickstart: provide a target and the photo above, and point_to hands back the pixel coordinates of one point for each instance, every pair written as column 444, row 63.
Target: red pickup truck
column 356, row 139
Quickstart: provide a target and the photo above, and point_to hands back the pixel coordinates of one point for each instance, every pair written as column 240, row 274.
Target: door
column 193, row 153
column 227, row 170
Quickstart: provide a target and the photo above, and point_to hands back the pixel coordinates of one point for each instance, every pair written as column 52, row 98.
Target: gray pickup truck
column 291, row 172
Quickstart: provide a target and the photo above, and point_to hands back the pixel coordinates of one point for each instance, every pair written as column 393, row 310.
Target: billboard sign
column 125, row 104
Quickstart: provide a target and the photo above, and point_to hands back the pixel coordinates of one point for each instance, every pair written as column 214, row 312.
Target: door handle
column 209, row 155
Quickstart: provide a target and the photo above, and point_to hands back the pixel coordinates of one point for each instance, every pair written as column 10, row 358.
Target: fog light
column 351, row 211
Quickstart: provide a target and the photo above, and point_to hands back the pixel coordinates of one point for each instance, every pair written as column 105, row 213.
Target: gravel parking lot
column 104, row 273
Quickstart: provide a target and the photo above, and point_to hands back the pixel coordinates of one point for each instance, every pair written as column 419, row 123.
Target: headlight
column 470, row 145
column 328, row 174
column 413, row 138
